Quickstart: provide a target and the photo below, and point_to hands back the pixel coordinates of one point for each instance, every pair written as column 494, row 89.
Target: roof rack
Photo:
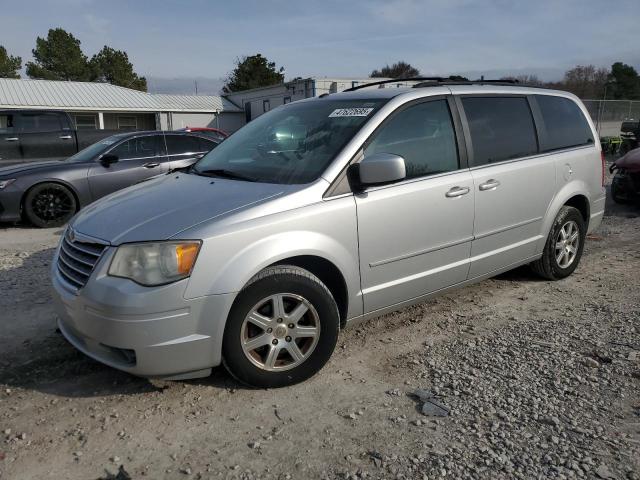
column 443, row 81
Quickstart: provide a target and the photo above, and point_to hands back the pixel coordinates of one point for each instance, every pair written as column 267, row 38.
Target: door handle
column 65, row 137
column 11, row 139
column 151, row 165
column 457, row 192
column 489, row 185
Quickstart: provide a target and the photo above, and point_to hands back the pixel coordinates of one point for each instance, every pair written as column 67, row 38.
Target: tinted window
column 564, row 123
column 45, row 122
column 423, row 134
column 501, row 128
column 139, row 147
column 181, row 144
column 206, row 145
column 6, row 123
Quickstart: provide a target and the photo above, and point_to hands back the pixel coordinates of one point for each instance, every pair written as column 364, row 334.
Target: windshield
column 291, row 144
column 88, row 154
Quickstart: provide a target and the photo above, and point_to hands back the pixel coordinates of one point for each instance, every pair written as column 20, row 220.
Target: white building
column 109, row 107
column 257, row 101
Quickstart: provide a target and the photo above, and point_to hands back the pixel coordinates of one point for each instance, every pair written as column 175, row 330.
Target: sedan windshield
column 291, row 144
column 88, row 154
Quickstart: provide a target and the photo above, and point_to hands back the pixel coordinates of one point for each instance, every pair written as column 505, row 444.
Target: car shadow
column 35, row 356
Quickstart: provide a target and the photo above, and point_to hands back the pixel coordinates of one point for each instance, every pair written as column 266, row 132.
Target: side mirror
column 377, row 169
column 108, row 159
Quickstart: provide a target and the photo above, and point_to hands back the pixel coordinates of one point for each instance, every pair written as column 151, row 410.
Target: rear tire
column 282, row 328
column 49, row 205
column 563, row 249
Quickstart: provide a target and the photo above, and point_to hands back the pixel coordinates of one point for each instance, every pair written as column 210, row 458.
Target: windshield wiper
column 221, row 172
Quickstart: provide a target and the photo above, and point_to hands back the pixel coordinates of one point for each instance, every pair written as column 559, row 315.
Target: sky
column 177, row 43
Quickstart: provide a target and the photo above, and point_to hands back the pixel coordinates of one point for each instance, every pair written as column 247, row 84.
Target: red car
column 214, row 133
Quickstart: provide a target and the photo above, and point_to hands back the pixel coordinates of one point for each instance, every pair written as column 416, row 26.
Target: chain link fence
column 608, row 115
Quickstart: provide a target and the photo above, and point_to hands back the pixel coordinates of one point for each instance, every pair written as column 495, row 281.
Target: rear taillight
column 602, row 158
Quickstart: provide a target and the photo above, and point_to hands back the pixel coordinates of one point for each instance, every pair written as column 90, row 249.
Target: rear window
column 40, row 123
column 564, row 123
column 501, row 128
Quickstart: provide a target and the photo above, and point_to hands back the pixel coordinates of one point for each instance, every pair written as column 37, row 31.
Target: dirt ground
column 536, row 379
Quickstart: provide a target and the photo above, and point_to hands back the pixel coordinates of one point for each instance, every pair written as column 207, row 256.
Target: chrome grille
column 77, row 259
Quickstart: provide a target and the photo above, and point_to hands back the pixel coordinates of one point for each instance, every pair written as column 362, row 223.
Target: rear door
column 415, row 236
column 513, row 184
column 46, row 136
column 9, row 140
column 138, row 159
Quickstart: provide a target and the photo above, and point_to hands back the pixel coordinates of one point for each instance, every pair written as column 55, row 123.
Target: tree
column 113, row 66
column 59, row 57
column 253, row 72
column 9, row 65
column 400, row 69
column 624, row 82
column 585, row 81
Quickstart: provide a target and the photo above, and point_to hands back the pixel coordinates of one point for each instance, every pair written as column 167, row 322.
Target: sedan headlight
column 152, row 264
column 6, row 183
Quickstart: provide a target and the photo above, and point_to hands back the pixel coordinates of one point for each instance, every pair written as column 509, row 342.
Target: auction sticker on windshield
column 351, row 112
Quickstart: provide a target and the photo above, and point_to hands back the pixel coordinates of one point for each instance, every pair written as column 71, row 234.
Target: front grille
column 77, row 260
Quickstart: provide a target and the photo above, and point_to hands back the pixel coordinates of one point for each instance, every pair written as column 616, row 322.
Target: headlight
column 155, row 263
column 6, row 183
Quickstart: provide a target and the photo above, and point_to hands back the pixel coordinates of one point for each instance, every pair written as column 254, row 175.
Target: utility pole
column 195, row 82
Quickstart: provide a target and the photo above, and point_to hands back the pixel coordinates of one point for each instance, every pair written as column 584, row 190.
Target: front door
column 415, row 236
column 9, row 140
column 138, row 159
column 513, row 185
column 46, row 136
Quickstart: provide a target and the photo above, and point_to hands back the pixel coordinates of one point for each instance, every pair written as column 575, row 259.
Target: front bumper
column 145, row 331
column 10, row 199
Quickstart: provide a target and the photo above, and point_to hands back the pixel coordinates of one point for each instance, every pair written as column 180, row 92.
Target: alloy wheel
column 567, row 243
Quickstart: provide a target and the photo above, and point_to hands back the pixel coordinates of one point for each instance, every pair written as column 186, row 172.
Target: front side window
column 139, row 147
column 40, row 123
column 291, row 144
column 501, row 128
column 564, row 123
column 423, row 135
column 6, row 123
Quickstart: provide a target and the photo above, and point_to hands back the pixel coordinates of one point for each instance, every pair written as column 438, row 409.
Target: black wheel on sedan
column 49, row 205
column 282, row 328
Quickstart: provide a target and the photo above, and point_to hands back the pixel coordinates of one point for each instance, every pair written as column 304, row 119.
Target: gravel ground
column 511, row 378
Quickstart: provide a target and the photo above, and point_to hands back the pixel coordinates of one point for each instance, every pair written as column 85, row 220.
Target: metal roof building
column 105, row 106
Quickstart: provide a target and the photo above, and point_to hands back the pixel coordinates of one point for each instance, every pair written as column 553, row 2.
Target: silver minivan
column 323, row 212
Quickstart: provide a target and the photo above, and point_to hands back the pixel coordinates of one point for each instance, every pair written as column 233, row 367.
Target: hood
column 163, row 207
column 21, row 168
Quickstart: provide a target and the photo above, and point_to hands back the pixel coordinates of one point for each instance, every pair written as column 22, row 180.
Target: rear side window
column 564, row 123
column 423, row 135
column 40, row 123
column 206, row 144
column 501, row 128
column 181, row 144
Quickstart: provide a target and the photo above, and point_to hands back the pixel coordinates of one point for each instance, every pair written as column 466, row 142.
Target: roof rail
column 396, row 80
column 443, row 81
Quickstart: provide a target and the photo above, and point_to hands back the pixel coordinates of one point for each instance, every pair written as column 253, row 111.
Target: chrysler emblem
column 72, row 235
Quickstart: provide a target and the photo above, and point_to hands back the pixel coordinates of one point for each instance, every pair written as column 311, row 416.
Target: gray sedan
column 48, row 194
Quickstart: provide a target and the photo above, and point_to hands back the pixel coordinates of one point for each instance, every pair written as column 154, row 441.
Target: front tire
column 49, row 205
column 563, row 249
column 282, row 328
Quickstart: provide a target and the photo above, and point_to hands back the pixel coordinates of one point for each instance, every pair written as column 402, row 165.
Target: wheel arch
column 574, row 195
column 73, row 191
column 329, row 274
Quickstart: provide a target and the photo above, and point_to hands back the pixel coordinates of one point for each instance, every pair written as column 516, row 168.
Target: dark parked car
column 36, row 135
column 48, row 194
